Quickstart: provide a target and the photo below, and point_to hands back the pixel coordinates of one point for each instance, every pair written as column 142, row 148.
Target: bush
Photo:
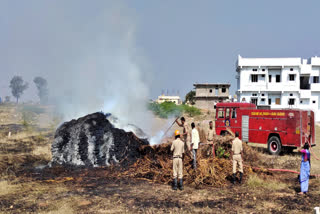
column 192, row 111
column 221, row 153
column 169, row 109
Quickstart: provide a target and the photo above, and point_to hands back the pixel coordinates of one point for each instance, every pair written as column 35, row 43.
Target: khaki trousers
column 187, row 144
column 177, row 168
column 236, row 160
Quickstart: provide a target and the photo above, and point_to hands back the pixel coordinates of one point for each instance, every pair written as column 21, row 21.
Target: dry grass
column 23, row 150
column 42, row 151
column 256, row 182
column 7, row 188
column 315, row 164
column 63, row 207
column 315, row 183
column 24, row 135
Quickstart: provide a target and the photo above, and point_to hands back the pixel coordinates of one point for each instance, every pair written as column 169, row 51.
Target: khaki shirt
column 236, row 146
column 177, row 147
column 185, row 129
column 210, row 134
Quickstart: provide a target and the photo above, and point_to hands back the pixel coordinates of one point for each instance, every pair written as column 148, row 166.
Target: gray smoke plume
column 85, row 49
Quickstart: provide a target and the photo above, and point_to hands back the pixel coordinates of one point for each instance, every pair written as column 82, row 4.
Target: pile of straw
column 156, row 164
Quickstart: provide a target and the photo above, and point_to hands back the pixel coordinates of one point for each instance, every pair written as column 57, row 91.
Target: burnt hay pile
column 92, row 141
column 156, row 164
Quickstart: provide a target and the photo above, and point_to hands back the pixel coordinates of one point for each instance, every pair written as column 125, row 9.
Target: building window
column 291, row 69
column 216, row 91
column 262, row 95
column 278, row 101
column 234, row 113
column 301, row 101
column 305, row 82
column 291, row 102
column 254, row 78
column 210, row 90
column 254, row 69
column 313, row 101
column 315, row 79
column 291, row 77
column 254, row 101
column 223, row 90
column 263, row 75
column 221, row 113
column 270, row 78
column 254, row 95
column 278, row 79
column 262, row 100
column 269, row 101
column 291, row 95
column 263, row 69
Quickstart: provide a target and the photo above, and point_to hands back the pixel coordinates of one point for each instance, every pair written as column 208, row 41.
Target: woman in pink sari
column 304, row 169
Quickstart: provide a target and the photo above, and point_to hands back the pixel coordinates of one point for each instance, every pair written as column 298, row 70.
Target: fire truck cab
column 279, row 129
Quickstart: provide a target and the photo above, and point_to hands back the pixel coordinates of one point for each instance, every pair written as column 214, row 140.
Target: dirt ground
column 27, row 187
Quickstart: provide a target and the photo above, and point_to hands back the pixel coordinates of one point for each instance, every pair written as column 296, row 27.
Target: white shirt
column 195, row 140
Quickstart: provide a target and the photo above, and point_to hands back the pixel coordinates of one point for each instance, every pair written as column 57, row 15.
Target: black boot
column 181, row 184
column 233, row 178
column 240, row 177
column 175, row 184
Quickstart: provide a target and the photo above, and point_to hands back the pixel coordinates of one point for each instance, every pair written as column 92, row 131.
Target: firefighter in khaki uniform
column 177, row 148
column 236, row 157
column 210, row 137
column 185, row 134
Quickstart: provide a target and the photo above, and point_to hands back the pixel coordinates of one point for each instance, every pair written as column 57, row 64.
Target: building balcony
column 305, row 94
column 305, row 69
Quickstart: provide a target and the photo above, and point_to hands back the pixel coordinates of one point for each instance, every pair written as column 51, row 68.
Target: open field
column 27, row 188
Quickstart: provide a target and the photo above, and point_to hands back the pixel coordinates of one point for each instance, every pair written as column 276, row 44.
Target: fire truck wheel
column 274, row 145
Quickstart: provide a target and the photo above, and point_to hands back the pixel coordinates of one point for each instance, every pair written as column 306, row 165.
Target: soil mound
column 93, row 141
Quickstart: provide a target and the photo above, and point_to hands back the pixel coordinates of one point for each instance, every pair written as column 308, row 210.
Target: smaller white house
column 173, row 99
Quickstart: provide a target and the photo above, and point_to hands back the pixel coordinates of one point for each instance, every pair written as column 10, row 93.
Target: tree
column 42, row 87
column 190, row 97
column 17, row 86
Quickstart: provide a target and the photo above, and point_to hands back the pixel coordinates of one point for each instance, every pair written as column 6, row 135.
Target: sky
column 198, row 41
column 176, row 43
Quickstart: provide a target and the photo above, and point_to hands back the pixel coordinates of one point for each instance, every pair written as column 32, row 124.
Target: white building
column 174, row 99
column 280, row 82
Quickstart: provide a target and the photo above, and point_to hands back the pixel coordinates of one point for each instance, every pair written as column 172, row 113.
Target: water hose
column 280, row 170
column 164, row 134
column 310, row 147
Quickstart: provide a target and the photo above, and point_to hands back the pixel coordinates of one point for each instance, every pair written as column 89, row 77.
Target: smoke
column 163, row 132
column 86, row 50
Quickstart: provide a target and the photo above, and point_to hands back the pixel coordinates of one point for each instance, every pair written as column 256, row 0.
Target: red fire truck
column 280, row 129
